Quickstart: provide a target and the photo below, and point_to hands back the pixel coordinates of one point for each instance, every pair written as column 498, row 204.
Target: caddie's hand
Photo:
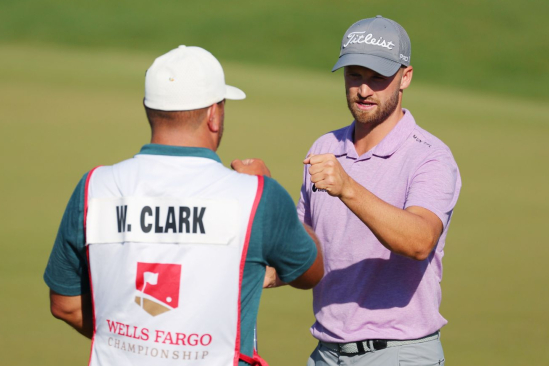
column 251, row 167
column 327, row 173
column 270, row 277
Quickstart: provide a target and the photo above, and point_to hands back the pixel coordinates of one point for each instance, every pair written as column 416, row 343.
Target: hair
column 192, row 118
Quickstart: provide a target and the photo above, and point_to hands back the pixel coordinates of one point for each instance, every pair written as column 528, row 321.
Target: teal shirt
column 278, row 239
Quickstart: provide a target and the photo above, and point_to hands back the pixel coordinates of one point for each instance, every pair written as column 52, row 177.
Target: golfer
column 380, row 194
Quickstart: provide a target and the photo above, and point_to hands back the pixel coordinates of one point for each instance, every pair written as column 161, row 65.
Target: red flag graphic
column 159, row 280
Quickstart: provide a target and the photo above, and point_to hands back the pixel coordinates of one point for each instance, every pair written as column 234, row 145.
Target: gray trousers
column 420, row 354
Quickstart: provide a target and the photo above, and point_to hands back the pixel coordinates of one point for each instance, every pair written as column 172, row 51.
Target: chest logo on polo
column 157, row 286
column 317, row 190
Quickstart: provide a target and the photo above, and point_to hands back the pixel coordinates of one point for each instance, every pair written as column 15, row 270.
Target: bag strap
column 256, row 360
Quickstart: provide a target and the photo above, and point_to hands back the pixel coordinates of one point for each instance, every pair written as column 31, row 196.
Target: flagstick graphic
column 148, row 277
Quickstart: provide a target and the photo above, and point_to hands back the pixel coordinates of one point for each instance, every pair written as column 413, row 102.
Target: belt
column 370, row 345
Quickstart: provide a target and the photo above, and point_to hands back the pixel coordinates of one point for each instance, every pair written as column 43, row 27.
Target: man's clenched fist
column 251, row 167
column 327, row 173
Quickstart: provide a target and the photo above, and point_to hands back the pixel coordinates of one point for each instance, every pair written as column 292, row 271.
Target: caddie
column 160, row 259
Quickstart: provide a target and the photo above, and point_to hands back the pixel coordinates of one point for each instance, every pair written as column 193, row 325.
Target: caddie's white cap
column 187, row 78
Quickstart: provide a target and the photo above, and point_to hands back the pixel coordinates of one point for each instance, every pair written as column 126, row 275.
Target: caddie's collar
column 168, row 150
column 388, row 146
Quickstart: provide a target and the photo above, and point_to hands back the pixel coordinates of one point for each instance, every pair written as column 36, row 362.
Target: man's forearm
column 412, row 232
column 76, row 311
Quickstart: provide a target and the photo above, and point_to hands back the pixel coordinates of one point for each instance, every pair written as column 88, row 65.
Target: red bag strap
column 256, row 360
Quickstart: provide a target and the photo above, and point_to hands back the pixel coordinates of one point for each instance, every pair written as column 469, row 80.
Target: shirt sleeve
column 287, row 246
column 67, row 269
column 435, row 186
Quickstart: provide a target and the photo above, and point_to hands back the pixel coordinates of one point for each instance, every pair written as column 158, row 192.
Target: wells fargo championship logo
column 157, row 285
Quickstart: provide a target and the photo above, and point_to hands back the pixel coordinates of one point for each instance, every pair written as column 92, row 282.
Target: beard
column 382, row 112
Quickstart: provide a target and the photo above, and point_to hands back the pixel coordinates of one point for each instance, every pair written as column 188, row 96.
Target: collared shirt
column 368, row 292
column 277, row 239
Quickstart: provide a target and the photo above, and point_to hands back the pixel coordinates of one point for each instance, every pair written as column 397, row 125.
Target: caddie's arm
column 412, row 232
column 66, row 273
column 76, row 311
column 314, row 274
column 251, row 167
column 311, row 276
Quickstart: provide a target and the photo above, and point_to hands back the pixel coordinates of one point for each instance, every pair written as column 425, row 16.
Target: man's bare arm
column 76, row 311
column 412, row 232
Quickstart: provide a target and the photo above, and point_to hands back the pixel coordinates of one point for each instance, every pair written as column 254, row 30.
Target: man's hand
column 271, row 278
column 327, row 173
column 251, row 167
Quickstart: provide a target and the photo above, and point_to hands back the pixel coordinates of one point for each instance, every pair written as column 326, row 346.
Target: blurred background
column 71, row 89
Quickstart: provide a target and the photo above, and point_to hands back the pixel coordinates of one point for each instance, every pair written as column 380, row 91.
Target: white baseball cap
column 187, row 78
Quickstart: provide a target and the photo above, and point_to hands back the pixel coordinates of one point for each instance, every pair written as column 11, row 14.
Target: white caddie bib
column 167, row 239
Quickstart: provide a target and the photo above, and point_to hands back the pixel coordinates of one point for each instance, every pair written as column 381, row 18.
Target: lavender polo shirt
column 368, row 292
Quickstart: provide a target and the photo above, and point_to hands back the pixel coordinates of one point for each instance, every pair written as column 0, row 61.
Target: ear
column 406, row 77
column 212, row 119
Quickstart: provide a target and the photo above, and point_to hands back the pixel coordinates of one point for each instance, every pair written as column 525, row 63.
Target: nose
column 364, row 91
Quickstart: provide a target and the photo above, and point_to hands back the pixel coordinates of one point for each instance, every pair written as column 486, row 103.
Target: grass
column 64, row 111
column 491, row 45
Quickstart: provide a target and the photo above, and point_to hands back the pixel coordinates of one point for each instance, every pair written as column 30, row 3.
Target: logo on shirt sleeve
column 157, row 286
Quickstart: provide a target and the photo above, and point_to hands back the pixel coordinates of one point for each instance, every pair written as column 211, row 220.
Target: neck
column 367, row 135
column 183, row 139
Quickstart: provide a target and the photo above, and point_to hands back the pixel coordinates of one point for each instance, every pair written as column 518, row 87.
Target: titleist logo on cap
column 378, row 44
column 359, row 37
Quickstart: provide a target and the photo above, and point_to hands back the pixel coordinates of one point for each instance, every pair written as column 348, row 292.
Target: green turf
column 494, row 45
column 63, row 112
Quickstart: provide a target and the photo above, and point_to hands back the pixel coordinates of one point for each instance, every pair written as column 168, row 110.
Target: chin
column 364, row 118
